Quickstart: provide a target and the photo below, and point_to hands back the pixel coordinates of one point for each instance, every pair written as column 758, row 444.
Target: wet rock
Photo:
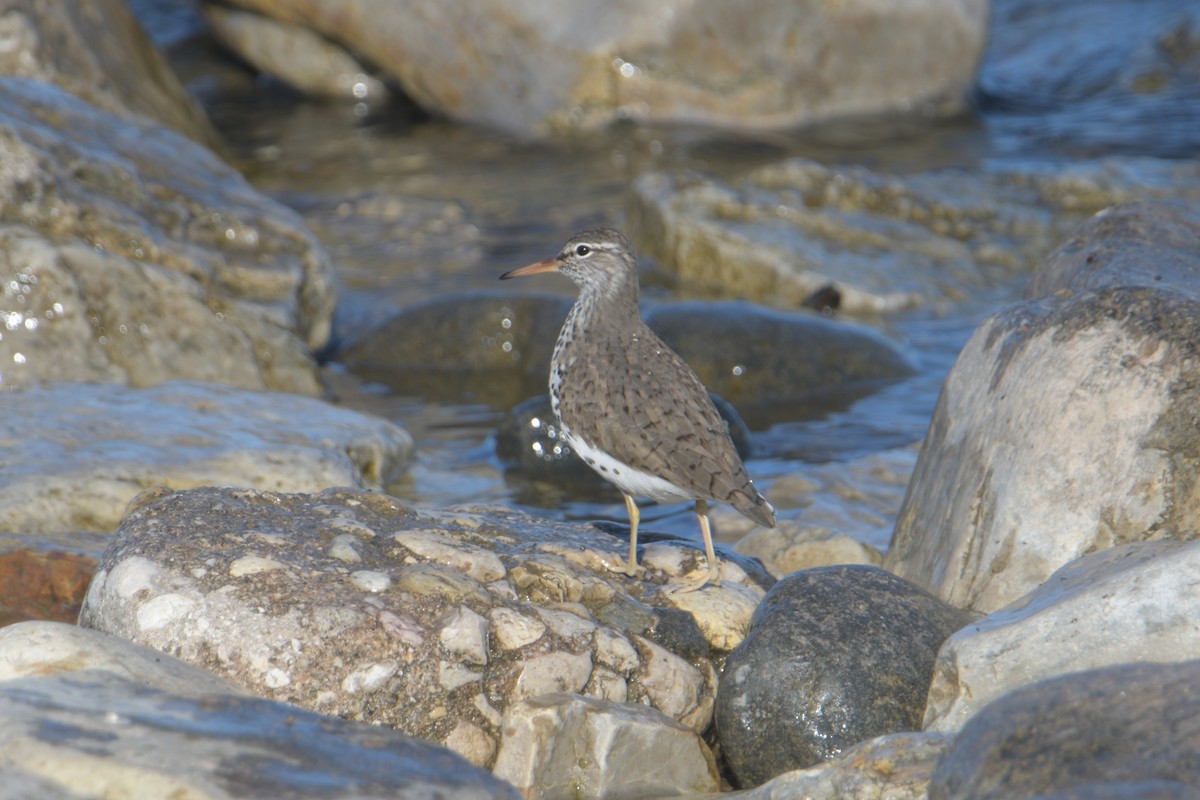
column 835, row 655
column 536, row 71
column 897, row 767
column 1066, row 426
column 528, row 444
column 1122, row 731
column 113, row 67
column 88, row 715
column 301, row 57
column 1135, row 602
column 489, row 347
column 847, row 510
column 42, row 585
column 430, row 622
column 73, row 455
column 555, row 744
column 775, row 365
column 782, row 232
column 129, row 254
column 1137, row 62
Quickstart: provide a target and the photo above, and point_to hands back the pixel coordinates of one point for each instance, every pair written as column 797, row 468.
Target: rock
column 73, row 455
column 114, row 67
column 88, row 715
column 537, row 70
column 895, row 767
column 847, row 510
column 1136, row 244
column 1128, row 603
column 884, row 242
column 558, row 745
column 132, row 255
column 434, row 623
column 1131, row 728
column 489, row 347
column 774, row 365
column 1066, row 426
column 302, row 58
column 42, row 585
column 42, row 649
column 1145, row 78
column 834, row 656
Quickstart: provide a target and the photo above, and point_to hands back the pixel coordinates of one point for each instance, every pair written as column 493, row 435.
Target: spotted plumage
column 628, row 405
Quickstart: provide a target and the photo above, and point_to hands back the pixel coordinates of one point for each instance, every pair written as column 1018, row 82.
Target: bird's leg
column 714, row 570
column 632, row 569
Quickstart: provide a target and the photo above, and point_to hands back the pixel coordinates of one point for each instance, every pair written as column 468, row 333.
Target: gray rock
column 112, row 66
column 303, row 58
column 775, row 365
column 129, row 254
column 1131, row 728
column 491, row 347
column 73, row 455
column 884, row 242
column 94, row 733
column 893, row 767
column 558, row 745
column 434, row 623
column 1066, row 426
column 834, row 656
column 1135, row 602
column 534, row 70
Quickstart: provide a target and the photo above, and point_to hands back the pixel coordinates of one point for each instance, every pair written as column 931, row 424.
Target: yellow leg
column 714, row 570
column 632, row 568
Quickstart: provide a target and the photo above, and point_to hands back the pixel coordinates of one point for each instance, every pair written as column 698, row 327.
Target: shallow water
column 411, row 208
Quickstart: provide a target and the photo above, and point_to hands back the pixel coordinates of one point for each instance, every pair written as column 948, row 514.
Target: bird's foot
column 711, row 578
column 633, row 570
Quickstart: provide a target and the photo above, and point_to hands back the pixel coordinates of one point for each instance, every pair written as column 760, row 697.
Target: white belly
column 628, row 480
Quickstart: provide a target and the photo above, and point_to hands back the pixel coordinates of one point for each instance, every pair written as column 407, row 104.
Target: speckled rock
column 85, row 715
column 835, row 655
column 884, row 242
column 556, row 744
column 113, row 66
column 534, row 70
column 434, row 623
column 1135, row 602
column 129, row 254
column 1124, row 731
column 893, row 767
column 1068, row 422
column 73, row 455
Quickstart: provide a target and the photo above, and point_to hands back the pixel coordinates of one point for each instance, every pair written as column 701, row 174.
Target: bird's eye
column 582, row 250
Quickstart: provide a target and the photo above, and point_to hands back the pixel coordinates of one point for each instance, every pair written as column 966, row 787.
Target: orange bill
column 545, row 265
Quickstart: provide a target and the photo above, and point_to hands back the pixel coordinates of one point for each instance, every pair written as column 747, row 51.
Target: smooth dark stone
column 835, row 655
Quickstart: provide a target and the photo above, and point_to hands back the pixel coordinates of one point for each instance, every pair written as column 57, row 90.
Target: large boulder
column 129, row 254
column 1068, row 423
column 534, row 69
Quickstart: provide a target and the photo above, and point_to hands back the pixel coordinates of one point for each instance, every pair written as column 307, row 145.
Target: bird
column 631, row 407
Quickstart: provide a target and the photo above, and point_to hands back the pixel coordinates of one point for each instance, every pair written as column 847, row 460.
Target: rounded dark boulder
column 835, row 655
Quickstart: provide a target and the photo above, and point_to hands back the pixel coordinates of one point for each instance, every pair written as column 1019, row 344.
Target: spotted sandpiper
column 629, row 406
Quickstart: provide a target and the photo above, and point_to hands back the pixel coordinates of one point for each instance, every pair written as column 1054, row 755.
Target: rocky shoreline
column 265, row 620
